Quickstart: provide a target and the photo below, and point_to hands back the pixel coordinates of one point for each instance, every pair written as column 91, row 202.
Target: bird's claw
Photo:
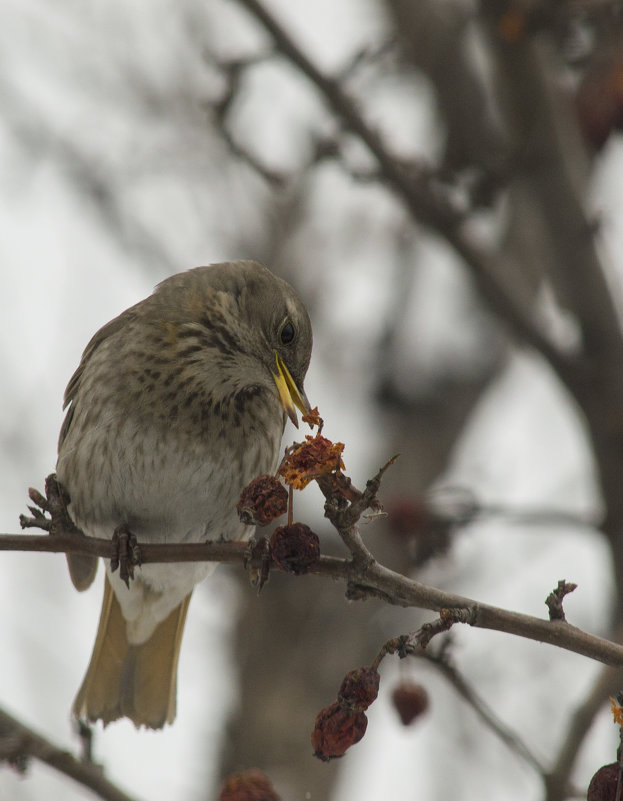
column 126, row 554
column 50, row 510
column 257, row 560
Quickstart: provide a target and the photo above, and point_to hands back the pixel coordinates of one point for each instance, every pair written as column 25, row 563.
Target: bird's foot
column 126, row 554
column 257, row 561
column 50, row 510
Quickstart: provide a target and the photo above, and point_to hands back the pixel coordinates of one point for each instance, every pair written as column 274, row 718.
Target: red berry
column 359, row 689
column 407, row 517
column 249, row 785
column 335, row 730
column 410, row 701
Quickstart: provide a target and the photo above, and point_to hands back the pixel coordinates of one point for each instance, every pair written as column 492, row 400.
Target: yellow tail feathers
column 134, row 681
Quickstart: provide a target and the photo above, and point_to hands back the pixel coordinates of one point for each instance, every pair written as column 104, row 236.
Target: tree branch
column 413, row 186
column 18, row 743
column 364, row 578
column 484, row 711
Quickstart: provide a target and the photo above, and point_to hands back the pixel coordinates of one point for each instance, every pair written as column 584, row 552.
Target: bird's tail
column 134, row 681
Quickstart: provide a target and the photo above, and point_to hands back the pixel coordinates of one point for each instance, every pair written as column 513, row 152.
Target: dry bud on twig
column 555, row 598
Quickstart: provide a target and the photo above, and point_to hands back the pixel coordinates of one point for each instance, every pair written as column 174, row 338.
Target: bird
column 176, row 405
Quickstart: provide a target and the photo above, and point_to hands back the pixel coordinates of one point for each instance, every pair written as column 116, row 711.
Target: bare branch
column 364, row 576
column 414, row 186
column 485, row 712
column 150, row 553
column 365, row 579
column 232, row 71
column 551, row 154
column 19, row 743
column 415, row 643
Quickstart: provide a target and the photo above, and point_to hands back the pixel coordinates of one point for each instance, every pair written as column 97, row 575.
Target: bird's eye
column 287, row 333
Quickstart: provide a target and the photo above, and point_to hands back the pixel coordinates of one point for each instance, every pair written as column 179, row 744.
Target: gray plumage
column 174, row 408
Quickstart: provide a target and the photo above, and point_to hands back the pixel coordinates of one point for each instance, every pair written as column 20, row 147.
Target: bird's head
column 255, row 321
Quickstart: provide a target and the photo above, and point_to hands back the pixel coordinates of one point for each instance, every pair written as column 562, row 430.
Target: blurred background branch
column 19, row 744
column 441, row 181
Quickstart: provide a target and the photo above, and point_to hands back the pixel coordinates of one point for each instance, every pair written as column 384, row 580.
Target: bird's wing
column 73, row 387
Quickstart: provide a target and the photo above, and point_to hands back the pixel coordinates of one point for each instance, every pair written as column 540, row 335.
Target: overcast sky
column 66, row 271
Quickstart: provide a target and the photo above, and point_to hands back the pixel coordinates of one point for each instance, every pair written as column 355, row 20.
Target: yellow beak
column 289, row 394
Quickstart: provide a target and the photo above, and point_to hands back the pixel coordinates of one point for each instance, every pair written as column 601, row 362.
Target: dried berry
column 359, row 689
column 312, row 458
column 312, row 418
column 410, row 701
column 249, row 785
column 264, row 499
column 617, row 710
column 295, row 548
column 603, row 786
column 335, row 730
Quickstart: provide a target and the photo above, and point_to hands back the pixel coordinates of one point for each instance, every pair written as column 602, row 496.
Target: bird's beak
column 289, row 394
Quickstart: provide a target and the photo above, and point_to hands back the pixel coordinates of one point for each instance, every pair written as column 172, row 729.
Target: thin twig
column 345, row 505
column 415, row 644
column 417, row 641
column 19, row 743
column 484, row 711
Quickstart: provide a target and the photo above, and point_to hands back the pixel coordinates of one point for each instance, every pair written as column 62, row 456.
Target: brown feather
column 73, row 387
column 134, row 681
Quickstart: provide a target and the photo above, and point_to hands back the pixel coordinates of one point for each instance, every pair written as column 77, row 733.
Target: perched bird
column 176, row 406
